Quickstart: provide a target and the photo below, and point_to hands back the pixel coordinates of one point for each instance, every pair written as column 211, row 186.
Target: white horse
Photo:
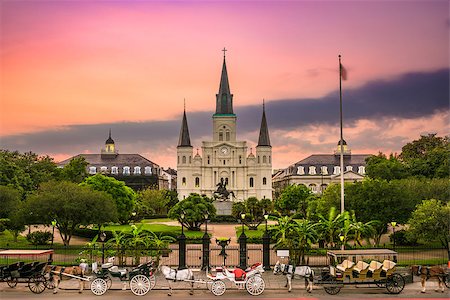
column 302, row 271
column 178, row 275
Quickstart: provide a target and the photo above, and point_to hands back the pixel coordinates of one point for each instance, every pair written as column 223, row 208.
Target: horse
column 57, row 272
column 302, row 271
column 433, row 272
column 178, row 275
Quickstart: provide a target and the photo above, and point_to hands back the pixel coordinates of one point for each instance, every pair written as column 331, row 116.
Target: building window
column 126, row 170
column 137, row 170
column 258, row 159
column 264, row 180
column 251, row 182
column 301, row 170
column 264, row 159
column 184, row 159
column 114, row 170
column 103, row 169
column 349, row 168
column 337, row 170
column 362, row 170
column 190, row 160
column 323, row 187
column 220, row 135
column 183, row 181
column 324, row 170
column 92, row 170
column 178, row 159
column 240, row 159
column 270, row 159
column 227, row 135
column 208, row 159
column 197, row 182
column 313, row 187
column 312, row 170
column 224, row 162
column 148, row 170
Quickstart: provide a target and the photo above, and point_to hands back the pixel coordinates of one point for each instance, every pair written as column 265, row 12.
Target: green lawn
column 158, row 229
column 161, row 220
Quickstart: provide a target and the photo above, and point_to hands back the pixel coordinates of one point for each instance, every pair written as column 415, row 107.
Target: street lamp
column 182, row 244
column 341, row 237
column 102, row 238
column 206, row 241
column 243, row 218
column 182, row 215
column 206, row 215
column 53, row 231
column 266, row 217
column 393, row 224
column 266, row 245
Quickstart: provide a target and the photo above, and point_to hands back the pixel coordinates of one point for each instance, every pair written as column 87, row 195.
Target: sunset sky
column 70, row 70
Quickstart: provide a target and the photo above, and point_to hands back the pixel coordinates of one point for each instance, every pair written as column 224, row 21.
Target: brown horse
column 57, row 273
column 433, row 272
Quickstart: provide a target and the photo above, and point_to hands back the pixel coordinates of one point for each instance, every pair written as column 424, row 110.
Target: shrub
column 39, row 237
column 402, row 238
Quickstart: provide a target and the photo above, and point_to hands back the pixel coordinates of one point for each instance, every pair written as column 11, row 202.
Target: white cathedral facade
column 225, row 160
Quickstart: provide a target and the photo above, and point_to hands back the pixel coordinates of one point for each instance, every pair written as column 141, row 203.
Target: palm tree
column 330, row 226
column 304, row 236
column 159, row 244
column 362, row 230
column 117, row 242
column 283, row 231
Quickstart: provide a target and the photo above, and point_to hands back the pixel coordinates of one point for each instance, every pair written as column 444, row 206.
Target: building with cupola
column 317, row 171
column 224, row 159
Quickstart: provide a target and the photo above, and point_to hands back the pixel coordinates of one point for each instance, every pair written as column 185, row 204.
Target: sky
column 71, row 70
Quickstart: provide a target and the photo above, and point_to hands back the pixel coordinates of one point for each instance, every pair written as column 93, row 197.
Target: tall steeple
column 224, row 99
column 264, row 139
column 184, row 140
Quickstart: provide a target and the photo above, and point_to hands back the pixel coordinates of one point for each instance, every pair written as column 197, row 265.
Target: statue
column 221, row 193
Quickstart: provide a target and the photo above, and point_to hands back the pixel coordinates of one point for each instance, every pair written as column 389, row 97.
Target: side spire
column 264, row 139
column 224, row 99
column 184, row 140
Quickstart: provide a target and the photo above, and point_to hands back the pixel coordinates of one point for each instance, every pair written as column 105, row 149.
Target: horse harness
column 427, row 273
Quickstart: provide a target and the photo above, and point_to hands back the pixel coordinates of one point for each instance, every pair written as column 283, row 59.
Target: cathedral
column 226, row 169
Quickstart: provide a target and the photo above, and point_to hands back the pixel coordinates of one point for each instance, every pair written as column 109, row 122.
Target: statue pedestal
column 223, row 208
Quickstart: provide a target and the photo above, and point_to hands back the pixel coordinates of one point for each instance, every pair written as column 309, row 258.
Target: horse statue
column 433, row 272
column 222, row 193
column 56, row 274
column 178, row 275
column 290, row 272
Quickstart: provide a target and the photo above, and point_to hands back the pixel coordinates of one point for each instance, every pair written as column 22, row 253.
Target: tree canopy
column 75, row 170
column 194, row 208
column 151, row 201
column 254, row 210
column 293, row 199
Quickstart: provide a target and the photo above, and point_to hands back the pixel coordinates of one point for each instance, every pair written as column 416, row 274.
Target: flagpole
column 342, row 137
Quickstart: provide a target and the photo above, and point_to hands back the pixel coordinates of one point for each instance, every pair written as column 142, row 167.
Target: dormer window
column 103, row 169
column 148, row 170
column 362, row 170
column 126, row 170
column 337, row 170
column 114, row 170
column 92, row 170
column 348, row 168
column 312, row 170
column 137, row 170
column 324, row 170
column 301, row 170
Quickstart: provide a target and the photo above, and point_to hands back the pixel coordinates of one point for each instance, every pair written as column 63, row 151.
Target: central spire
column 224, row 99
column 184, row 140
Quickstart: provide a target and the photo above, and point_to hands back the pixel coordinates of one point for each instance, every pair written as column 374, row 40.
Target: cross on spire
column 224, row 50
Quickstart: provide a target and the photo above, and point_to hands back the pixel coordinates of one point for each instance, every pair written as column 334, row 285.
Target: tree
column 294, row 198
column 9, row 199
column 380, row 167
column 194, row 208
column 124, row 196
column 70, row 205
column 430, row 222
column 329, row 227
column 150, row 201
column 75, row 170
column 254, row 210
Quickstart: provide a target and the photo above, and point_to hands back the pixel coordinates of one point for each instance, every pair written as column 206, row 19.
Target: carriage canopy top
column 362, row 254
column 25, row 252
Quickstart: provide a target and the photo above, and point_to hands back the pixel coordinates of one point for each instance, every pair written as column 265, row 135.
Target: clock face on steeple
column 224, row 150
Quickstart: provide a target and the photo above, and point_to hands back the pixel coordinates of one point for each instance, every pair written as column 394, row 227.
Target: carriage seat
column 239, row 274
column 388, row 265
column 360, row 267
column 345, row 265
column 107, row 265
column 116, row 270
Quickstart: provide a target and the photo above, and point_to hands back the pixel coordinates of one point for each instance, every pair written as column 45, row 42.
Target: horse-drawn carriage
column 373, row 267
column 141, row 278
column 31, row 273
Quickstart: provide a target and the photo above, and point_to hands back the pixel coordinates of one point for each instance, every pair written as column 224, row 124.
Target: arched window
column 103, row 169
column 148, row 170
column 221, row 135
column 251, row 182
column 183, row 181
column 324, row 170
column 240, row 159
column 190, row 159
column 227, row 135
column 126, row 170
column 208, row 159
column 312, row 170
column 313, row 187
column 264, row 180
column 270, row 159
column 184, row 159
column 362, row 170
column 137, row 170
column 301, row 170
column 114, row 170
column 92, row 170
column 337, row 170
column 258, row 159
column 197, row 182
column 264, row 159
column 178, row 159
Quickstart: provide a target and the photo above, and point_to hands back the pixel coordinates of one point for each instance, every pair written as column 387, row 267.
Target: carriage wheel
column 255, row 285
column 140, row 285
column 49, row 284
column 12, row 282
column 99, row 286
column 333, row 287
column 36, row 284
column 108, row 282
column 218, row 288
column 395, row 284
column 447, row 280
column 152, row 279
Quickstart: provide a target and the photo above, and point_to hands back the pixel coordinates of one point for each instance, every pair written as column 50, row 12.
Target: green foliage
column 25, row 172
column 123, row 196
column 380, row 167
column 150, row 202
column 9, row 199
column 294, row 198
column 75, row 170
column 70, row 205
column 194, row 208
column 402, row 238
column 430, row 222
column 254, row 210
column 39, row 237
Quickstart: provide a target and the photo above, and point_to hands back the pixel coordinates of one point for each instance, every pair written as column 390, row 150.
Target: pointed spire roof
column 264, row 139
column 224, row 99
column 184, row 140
column 109, row 140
